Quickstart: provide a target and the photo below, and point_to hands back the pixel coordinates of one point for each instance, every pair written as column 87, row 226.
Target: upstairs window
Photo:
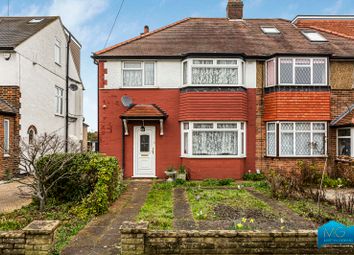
column 57, row 52
column 302, row 71
column 59, row 100
column 220, row 72
column 138, row 73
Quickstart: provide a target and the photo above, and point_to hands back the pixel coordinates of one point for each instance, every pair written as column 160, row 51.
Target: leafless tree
column 45, row 175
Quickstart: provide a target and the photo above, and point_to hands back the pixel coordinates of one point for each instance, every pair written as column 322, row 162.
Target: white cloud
column 75, row 13
column 335, row 8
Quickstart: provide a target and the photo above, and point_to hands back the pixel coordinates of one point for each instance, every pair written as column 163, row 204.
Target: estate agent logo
column 335, row 233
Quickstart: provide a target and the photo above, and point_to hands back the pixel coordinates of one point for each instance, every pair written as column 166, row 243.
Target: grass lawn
column 203, row 202
column 70, row 223
column 158, row 208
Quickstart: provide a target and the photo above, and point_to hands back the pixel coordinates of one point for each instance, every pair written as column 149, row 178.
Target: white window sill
column 144, row 176
column 140, row 87
column 59, row 115
column 212, row 85
column 6, row 155
column 214, row 157
column 299, row 156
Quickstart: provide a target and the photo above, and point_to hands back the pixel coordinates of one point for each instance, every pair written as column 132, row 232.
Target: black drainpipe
column 67, row 96
column 123, row 148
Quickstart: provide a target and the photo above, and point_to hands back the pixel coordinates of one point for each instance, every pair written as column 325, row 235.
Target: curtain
column 215, row 143
column 149, row 74
column 213, row 75
column 132, row 78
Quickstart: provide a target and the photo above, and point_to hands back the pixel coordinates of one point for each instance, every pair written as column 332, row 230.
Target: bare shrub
column 345, row 203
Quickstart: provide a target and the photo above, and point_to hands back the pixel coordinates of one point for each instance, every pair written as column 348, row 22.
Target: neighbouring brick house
column 33, row 66
column 223, row 96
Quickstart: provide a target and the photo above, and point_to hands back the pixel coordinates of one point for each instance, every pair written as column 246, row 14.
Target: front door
column 144, row 152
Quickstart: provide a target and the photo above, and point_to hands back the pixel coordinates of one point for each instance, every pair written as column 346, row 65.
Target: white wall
column 168, row 74
column 9, row 70
column 38, row 76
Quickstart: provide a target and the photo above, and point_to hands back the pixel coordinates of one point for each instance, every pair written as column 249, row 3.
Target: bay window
column 296, row 71
column 213, row 72
column 345, row 139
column 213, row 139
column 296, row 139
column 138, row 73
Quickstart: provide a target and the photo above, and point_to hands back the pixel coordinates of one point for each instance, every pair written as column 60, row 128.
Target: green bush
column 334, row 183
column 254, row 177
column 93, row 180
column 218, row 182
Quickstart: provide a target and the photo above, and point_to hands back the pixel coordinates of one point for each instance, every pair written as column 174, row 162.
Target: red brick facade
column 9, row 164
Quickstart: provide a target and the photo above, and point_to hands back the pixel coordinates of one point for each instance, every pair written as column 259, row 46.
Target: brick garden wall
column 36, row 239
column 137, row 239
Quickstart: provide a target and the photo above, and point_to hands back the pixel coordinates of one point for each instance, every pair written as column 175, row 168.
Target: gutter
column 67, row 95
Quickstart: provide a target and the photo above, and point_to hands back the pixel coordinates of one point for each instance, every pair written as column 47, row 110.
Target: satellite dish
column 126, row 101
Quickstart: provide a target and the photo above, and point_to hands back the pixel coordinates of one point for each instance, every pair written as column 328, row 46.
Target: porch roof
column 344, row 119
column 144, row 111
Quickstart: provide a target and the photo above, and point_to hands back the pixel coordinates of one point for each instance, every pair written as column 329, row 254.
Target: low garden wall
column 137, row 239
column 35, row 239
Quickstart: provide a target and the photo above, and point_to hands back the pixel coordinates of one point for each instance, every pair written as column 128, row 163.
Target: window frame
column 59, row 98
column 351, row 137
column 278, row 138
column 294, row 65
column 240, row 65
column 142, row 69
column 57, row 46
column 241, row 144
column 6, row 143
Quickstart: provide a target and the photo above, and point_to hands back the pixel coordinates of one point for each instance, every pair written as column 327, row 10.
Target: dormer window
column 296, row 71
column 36, row 20
column 219, row 72
column 314, row 36
column 270, row 30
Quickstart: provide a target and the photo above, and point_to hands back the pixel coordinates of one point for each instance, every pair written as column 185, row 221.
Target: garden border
column 35, row 239
column 137, row 239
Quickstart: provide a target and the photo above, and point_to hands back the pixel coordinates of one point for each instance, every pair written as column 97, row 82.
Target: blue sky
column 91, row 20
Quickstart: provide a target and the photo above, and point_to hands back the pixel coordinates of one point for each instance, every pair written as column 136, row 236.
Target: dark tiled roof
column 6, row 107
column 144, row 111
column 224, row 36
column 344, row 119
column 15, row 30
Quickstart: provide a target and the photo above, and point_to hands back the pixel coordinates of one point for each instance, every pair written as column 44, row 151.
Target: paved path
column 183, row 219
column 101, row 236
column 13, row 195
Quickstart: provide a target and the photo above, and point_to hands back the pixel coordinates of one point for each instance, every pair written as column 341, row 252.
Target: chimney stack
column 146, row 29
column 235, row 9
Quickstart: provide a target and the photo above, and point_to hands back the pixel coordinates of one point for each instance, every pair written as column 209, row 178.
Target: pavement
column 14, row 195
column 102, row 235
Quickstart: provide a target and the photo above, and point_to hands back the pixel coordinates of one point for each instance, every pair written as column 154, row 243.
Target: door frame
column 135, row 152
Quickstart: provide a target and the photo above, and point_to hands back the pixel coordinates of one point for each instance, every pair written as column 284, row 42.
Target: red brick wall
column 297, row 106
column 9, row 165
column 207, row 106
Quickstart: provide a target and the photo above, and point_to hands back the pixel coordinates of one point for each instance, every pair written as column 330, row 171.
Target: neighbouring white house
column 39, row 60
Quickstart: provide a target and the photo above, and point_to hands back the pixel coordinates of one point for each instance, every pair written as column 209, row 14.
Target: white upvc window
column 213, row 139
column 139, row 73
column 345, row 142
column 213, row 72
column 57, row 52
column 6, row 145
column 302, row 71
column 59, row 100
column 297, row 139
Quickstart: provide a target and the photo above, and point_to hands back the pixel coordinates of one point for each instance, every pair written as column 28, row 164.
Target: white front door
column 144, row 152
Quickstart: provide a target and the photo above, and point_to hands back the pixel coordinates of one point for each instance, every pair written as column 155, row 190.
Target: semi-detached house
column 223, row 96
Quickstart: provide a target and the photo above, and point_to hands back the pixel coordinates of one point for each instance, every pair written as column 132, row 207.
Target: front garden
column 268, row 203
column 83, row 188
